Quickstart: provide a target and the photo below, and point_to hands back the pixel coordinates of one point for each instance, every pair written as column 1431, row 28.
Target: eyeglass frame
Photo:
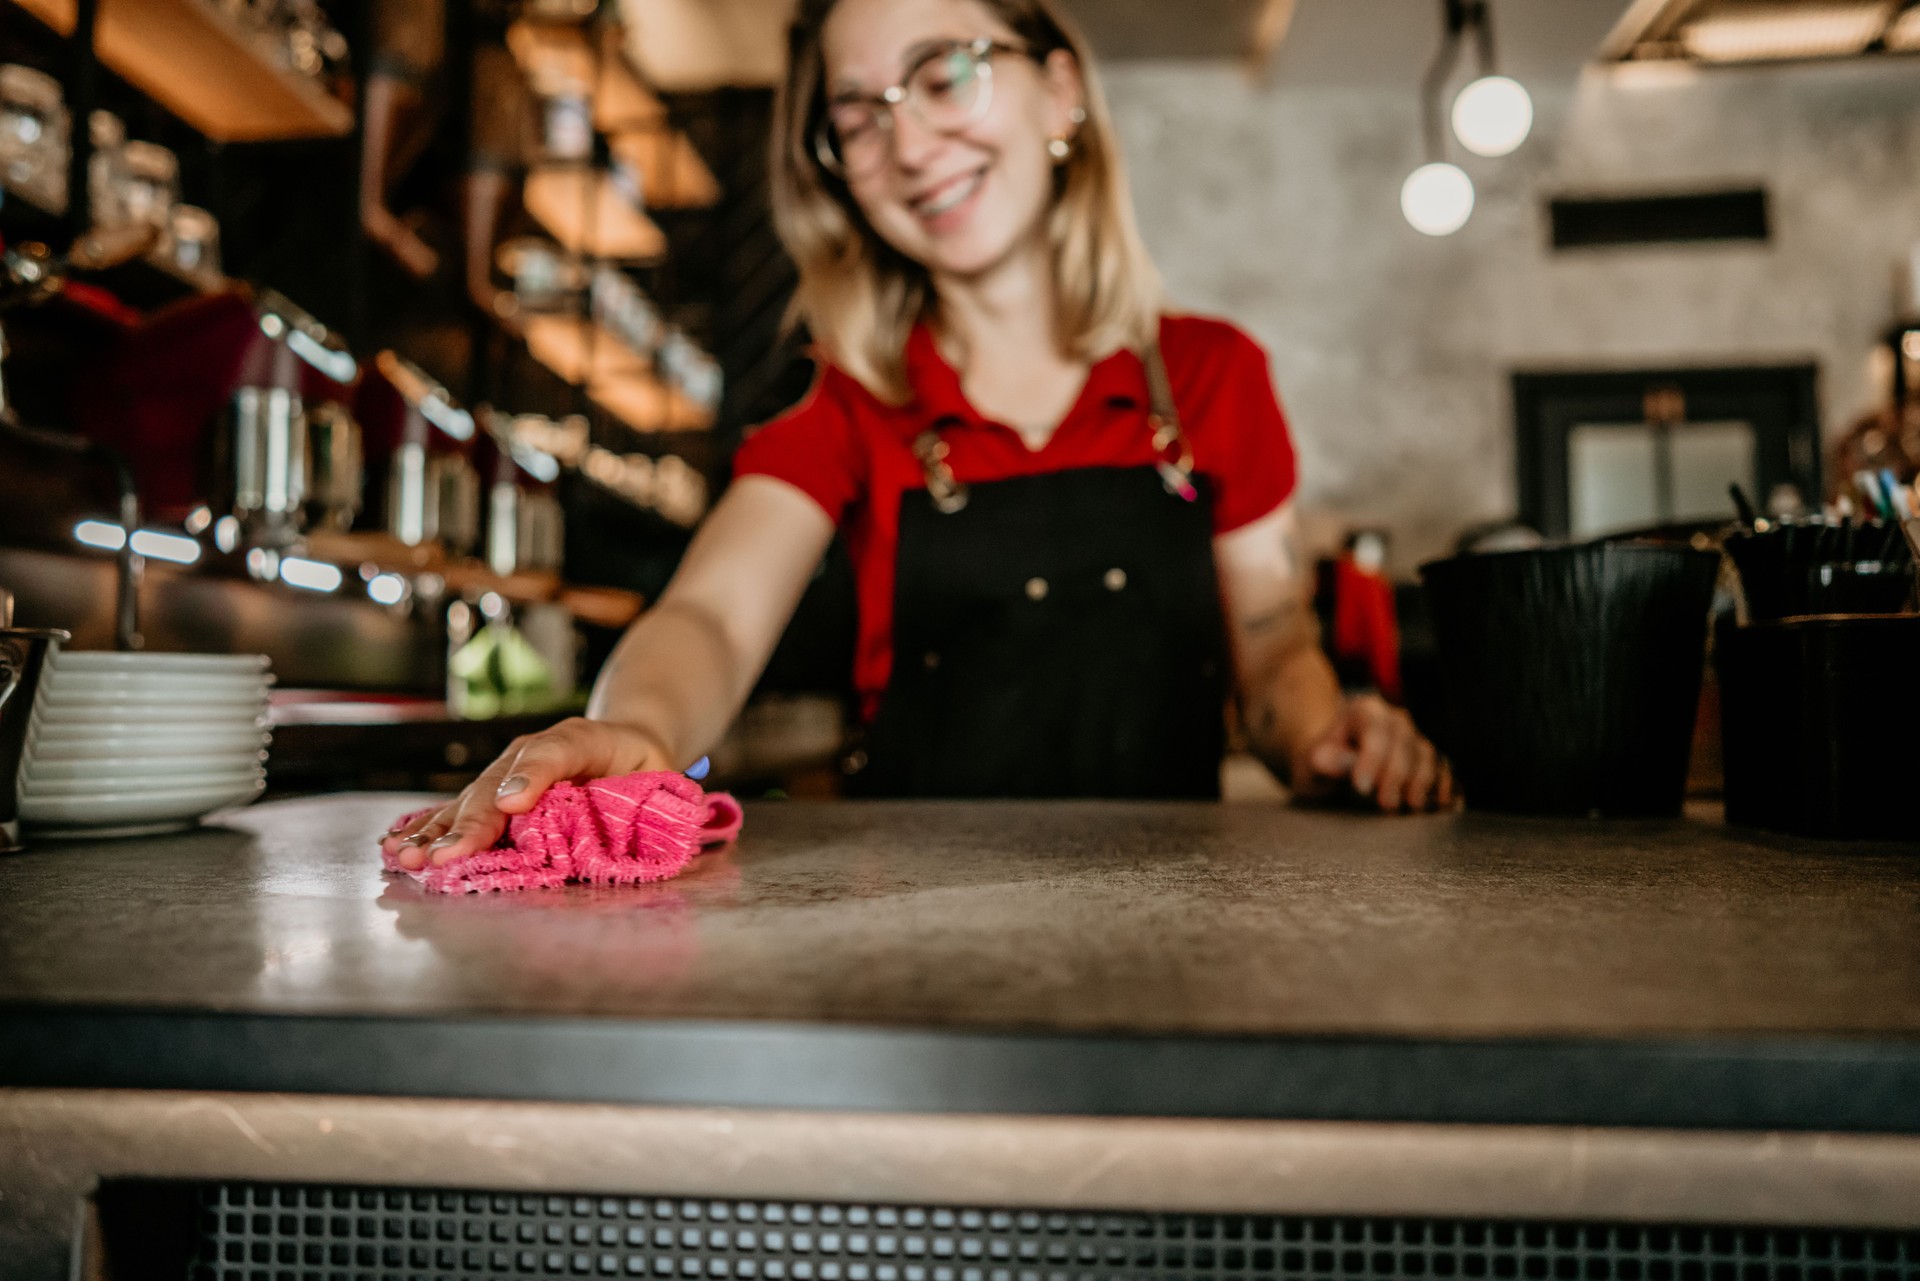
column 895, row 95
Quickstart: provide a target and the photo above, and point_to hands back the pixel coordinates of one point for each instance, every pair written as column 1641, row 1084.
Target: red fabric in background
column 1365, row 625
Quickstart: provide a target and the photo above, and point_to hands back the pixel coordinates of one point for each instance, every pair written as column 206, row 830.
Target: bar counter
column 1163, row 975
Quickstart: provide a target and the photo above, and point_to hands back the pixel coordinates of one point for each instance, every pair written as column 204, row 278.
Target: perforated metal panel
column 257, row 1232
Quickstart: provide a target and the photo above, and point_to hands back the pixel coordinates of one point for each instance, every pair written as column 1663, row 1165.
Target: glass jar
column 620, row 307
column 106, row 179
column 544, row 276
column 33, row 136
column 150, row 183
column 693, row 371
column 567, row 126
column 194, row 241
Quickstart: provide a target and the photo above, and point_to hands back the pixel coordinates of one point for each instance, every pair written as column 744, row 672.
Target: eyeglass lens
column 946, row 92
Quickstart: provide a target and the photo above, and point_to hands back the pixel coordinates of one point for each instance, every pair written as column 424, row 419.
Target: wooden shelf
column 688, row 46
column 566, row 53
column 646, row 404
column 580, row 351
column 585, row 210
column 206, row 68
column 672, row 174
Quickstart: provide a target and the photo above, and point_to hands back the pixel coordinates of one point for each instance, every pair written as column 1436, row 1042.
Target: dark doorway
column 1603, row 451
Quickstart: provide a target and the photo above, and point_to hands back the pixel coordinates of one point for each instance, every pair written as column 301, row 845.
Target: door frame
column 1781, row 402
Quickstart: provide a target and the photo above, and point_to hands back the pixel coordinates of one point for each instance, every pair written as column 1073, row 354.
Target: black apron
column 1054, row 635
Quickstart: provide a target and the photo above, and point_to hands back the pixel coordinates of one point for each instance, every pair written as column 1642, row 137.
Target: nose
column 914, row 144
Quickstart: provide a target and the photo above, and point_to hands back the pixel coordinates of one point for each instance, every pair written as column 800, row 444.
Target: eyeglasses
column 947, row 88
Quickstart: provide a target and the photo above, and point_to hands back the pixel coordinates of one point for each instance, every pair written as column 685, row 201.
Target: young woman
column 1069, row 513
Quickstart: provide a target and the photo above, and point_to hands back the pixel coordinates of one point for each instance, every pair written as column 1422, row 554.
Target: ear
column 1066, row 94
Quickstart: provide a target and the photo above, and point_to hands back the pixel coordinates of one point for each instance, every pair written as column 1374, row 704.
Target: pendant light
column 1437, row 198
column 1491, row 117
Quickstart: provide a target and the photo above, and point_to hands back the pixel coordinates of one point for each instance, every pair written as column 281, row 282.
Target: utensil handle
column 13, row 668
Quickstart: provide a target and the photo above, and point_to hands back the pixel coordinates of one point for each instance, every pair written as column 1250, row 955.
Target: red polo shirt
column 852, row 453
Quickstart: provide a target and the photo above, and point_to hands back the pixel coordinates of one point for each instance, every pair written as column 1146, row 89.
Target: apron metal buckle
column 948, row 494
column 1173, row 458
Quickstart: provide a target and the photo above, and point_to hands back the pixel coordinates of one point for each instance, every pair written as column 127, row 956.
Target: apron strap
column 1172, row 455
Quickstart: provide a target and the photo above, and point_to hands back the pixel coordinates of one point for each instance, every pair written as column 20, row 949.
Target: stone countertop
column 1250, row 959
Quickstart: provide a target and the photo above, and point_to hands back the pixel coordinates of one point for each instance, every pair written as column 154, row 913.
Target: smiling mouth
column 948, row 196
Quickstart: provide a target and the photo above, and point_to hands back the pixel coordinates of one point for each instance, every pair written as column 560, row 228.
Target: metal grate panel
column 260, row 1232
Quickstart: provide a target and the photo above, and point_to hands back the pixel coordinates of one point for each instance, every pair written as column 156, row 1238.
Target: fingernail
column 512, row 786
column 1363, row 784
column 415, row 839
column 444, row 842
column 699, row 769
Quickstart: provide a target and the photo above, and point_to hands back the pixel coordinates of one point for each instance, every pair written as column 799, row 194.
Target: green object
column 498, row 673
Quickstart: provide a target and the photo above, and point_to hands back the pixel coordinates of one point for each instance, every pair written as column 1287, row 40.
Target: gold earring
column 1059, row 149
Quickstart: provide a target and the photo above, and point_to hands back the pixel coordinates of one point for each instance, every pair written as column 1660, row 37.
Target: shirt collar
column 1118, row 381
column 937, row 398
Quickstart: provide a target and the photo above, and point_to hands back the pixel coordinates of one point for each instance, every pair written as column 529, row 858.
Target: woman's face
column 958, row 203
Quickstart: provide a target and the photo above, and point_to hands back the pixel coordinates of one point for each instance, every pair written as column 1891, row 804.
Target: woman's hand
column 1374, row 748
column 682, row 670
column 574, row 749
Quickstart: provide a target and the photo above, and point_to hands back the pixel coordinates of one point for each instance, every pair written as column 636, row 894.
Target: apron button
column 930, row 660
column 1036, row 589
column 1116, row 580
column 854, row 763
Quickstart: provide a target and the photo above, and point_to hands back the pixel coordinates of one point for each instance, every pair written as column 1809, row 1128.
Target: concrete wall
column 1278, row 206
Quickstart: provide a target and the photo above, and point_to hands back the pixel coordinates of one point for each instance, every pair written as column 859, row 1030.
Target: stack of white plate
column 124, row 744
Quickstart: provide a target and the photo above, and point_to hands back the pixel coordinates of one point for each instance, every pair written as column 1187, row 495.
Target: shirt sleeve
column 1223, row 384
column 813, row 447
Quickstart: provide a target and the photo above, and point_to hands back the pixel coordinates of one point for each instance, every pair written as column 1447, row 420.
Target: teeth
column 952, row 199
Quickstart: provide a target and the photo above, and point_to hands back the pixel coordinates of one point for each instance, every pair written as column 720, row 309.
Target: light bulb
column 1492, row 116
column 1437, row 199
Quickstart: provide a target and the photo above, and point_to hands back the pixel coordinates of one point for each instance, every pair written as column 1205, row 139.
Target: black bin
column 1819, row 717
column 1572, row 674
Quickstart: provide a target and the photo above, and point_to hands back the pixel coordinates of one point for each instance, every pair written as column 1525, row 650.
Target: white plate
column 156, row 696
column 152, row 765
column 60, row 707
column 78, row 743
column 133, row 784
column 138, row 785
column 134, row 807
column 90, row 660
column 56, row 716
column 66, row 678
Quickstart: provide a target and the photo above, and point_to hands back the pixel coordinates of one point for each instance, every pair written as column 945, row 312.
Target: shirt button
column 1036, row 589
column 1116, row 580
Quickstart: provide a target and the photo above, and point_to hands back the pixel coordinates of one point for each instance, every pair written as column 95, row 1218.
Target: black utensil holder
column 1573, row 674
column 1818, row 717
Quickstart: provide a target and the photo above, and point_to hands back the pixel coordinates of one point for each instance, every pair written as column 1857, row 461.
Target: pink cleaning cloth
column 612, row 831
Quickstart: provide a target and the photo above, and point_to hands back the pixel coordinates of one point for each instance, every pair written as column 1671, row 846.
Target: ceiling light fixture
column 1767, row 33
column 1491, row 117
column 1437, row 199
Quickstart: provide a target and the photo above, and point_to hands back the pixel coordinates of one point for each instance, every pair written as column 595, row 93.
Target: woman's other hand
column 1374, row 748
column 576, row 748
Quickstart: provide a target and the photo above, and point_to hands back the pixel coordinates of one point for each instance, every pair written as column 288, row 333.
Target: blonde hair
column 861, row 298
